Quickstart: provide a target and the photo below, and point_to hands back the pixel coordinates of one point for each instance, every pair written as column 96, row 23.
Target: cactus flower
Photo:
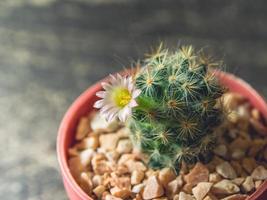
column 118, row 98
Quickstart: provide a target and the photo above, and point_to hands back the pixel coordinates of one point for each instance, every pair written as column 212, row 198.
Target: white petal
column 105, row 108
column 101, row 94
column 130, row 86
column 99, row 103
column 124, row 113
column 136, row 93
column 112, row 114
column 106, row 86
column 119, row 76
column 133, row 103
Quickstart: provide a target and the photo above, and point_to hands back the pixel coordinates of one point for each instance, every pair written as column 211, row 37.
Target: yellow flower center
column 121, row 97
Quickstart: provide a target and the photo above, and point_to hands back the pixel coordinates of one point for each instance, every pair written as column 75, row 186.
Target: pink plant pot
column 84, row 105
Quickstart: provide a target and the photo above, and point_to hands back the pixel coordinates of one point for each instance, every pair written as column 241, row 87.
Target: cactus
column 177, row 111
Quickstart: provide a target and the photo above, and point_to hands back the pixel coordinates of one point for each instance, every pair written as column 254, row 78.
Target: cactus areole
column 177, row 110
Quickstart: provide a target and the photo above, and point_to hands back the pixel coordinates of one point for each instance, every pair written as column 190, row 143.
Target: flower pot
column 84, row 105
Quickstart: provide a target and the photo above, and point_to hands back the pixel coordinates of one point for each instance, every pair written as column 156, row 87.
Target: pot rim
column 69, row 116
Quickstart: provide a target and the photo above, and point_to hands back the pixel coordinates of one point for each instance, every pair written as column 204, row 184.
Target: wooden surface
column 52, row 50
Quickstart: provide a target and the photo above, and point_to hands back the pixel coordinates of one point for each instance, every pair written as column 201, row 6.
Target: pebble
column 101, row 167
column 201, row 190
column 109, row 141
column 220, row 150
column 110, row 197
column 237, row 154
column 138, row 188
column 97, row 180
column 188, row 188
column 248, row 185
column 258, row 183
column 225, row 187
column 83, row 128
column 184, row 196
column 135, row 165
column 210, row 197
column 85, row 182
column 166, row 175
column 174, row 186
column 238, row 181
column 137, row 176
column 124, row 146
column 99, row 123
column 258, row 126
column 199, row 173
column 86, row 156
column 75, row 166
column 226, row 170
column 153, row 188
column 232, row 100
column 236, row 197
column 120, row 192
column 260, row 173
column 265, row 154
column 249, row 164
column 98, row 191
column 214, row 177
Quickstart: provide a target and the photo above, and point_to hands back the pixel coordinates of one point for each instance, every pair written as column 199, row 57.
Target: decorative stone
column 135, row 165
column 86, row 183
column 125, row 157
column 101, row 167
column 249, row 164
column 238, row 154
column 220, row 150
column 258, row 126
column 112, row 155
column 110, row 197
column 120, row 192
column 174, row 186
column 214, row 177
column 184, row 196
column 83, row 128
column 210, row 197
column 199, row 173
column 98, row 191
column 138, row 188
column 258, row 183
column 232, row 100
column 188, row 188
column 238, row 181
column 86, row 156
column 137, row 177
column 75, row 166
column 153, row 188
column 201, row 190
column 237, row 167
column 248, row 184
column 166, row 175
column 97, row 180
column 226, row 170
column 236, row 197
column 260, row 173
column 92, row 142
column 99, row 123
column 225, row 187
column 109, row 141
column 124, row 146
column 240, row 143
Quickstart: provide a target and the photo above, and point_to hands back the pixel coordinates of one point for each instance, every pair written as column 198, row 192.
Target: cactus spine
column 177, row 112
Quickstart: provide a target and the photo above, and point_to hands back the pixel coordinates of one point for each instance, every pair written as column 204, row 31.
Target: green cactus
column 177, row 109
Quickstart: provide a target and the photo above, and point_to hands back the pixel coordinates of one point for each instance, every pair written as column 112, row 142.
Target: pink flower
column 118, row 98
